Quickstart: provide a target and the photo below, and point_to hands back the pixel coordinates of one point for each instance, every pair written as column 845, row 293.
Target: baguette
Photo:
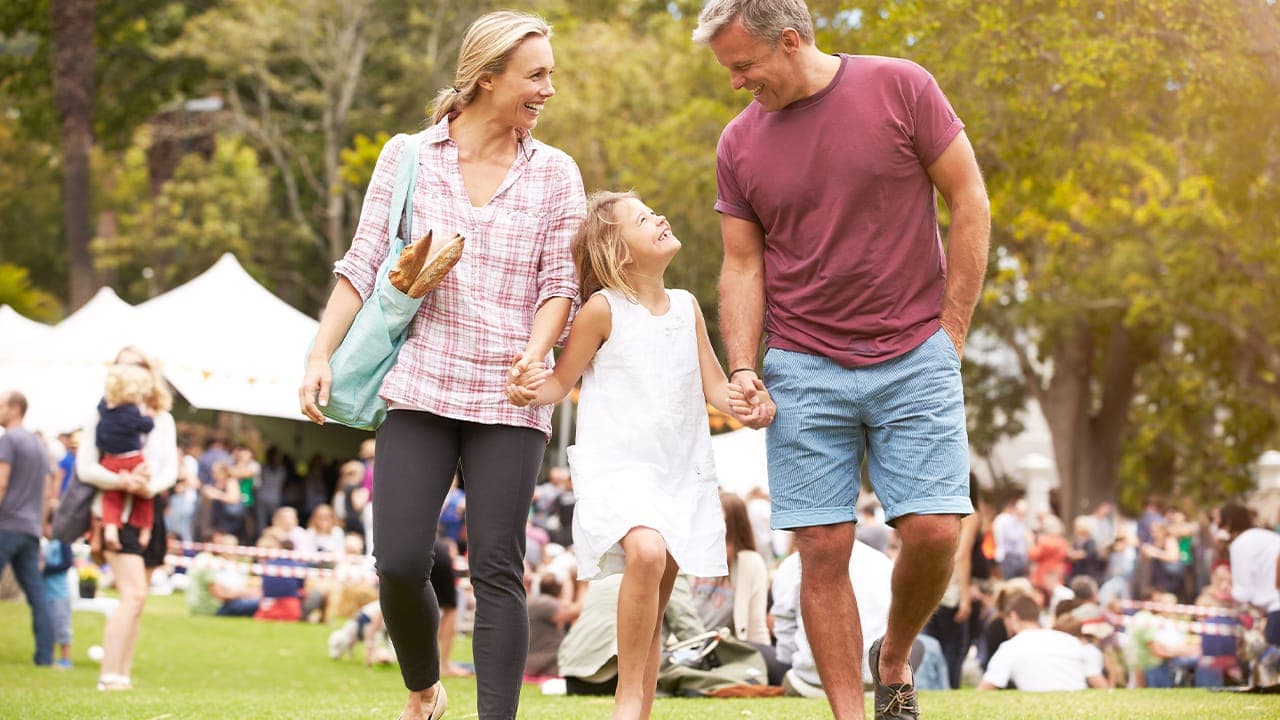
column 439, row 262
column 411, row 261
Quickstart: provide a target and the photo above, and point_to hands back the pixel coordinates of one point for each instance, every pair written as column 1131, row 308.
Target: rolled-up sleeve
column 369, row 247
column 568, row 203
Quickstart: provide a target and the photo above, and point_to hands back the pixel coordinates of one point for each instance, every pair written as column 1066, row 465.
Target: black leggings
column 416, row 456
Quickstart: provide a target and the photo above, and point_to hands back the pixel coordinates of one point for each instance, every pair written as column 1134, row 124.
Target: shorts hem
column 791, row 519
column 929, row 506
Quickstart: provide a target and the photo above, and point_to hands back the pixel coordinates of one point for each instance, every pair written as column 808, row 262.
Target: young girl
column 122, row 421
column 647, row 498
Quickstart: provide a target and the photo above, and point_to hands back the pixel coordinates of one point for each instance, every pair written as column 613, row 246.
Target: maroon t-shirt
column 854, row 269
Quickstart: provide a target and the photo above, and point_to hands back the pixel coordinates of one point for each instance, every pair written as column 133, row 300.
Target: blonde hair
column 351, row 470
column 599, row 251
column 485, row 50
column 161, row 399
column 128, row 385
column 762, row 19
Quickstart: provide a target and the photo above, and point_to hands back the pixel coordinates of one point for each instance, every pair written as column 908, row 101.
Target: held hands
column 528, row 374
column 750, row 401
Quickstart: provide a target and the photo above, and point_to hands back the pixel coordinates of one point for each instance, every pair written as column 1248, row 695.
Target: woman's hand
column 315, row 387
column 525, row 379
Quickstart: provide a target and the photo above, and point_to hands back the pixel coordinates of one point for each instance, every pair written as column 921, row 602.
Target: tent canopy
column 227, row 343
column 223, row 341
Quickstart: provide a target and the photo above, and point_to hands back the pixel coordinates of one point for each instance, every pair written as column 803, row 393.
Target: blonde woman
column 131, row 561
column 518, row 203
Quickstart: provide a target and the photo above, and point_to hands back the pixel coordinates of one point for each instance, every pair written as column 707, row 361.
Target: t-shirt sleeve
column 1092, row 660
column 7, row 452
column 1000, row 667
column 936, row 123
column 730, row 199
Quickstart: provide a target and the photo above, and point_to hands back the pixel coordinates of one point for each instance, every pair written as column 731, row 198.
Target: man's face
column 767, row 72
column 6, row 409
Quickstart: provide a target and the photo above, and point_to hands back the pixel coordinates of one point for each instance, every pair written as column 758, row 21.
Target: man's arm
column 956, row 175
column 1098, row 682
column 741, row 292
column 5, row 469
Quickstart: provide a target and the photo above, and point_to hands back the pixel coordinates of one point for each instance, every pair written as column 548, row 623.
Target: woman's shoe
column 442, row 700
column 112, row 683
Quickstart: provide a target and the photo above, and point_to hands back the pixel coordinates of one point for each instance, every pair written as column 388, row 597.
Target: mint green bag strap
column 369, row 350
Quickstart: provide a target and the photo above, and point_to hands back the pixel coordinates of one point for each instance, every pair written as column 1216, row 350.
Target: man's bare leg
column 920, row 577
column 826, row 592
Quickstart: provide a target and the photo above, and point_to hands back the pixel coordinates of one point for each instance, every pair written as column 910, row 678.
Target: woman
column 130, row 564
column 518, row 203
column 324, row 534
column 739, row 601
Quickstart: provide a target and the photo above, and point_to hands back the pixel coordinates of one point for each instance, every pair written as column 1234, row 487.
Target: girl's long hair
column 599, row 251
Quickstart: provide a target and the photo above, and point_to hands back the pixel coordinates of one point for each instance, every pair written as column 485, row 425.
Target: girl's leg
column 638, row 608
column 655, row 658
column 121, row 632
column 415, row 459
column 500, row 464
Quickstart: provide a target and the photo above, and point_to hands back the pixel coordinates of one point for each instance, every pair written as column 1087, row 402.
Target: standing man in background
column 827, row 187
column 24, row 469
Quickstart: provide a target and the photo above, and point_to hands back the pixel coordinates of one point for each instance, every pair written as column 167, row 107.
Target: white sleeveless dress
column 643, row 452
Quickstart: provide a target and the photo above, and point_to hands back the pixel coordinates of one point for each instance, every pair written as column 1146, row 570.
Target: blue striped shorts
column 906, row 415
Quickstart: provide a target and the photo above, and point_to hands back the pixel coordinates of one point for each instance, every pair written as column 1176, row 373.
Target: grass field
column 207, row 668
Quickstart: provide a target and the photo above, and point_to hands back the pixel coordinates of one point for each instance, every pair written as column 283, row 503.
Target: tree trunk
column 73, row 76
column 1087, row 443
column 1065, row 404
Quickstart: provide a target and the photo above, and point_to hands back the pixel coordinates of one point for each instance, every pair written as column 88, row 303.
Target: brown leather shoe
column 893, row 702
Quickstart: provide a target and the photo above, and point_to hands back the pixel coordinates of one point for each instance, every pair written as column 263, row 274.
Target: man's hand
column 750, row 401
column 957, row 335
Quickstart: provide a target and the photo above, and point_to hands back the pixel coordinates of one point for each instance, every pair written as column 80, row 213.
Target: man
column 1012, row 538
column 1255, row 565
column 24, row 470
column 828, row 215
column 1036, row 659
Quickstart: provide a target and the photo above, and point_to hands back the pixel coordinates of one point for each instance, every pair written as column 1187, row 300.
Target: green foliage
column 1131, row 155
column 17, row 292
column 640, row 107
column 211, row 206
column 30, row 214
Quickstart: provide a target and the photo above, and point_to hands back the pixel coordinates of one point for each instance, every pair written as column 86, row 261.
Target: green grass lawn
column 207, row 668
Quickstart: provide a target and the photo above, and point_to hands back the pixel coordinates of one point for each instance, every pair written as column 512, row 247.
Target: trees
column 1130, row 169
column 214, row 205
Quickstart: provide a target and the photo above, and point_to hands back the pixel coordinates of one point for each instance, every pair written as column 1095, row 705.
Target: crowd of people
column 1144, row 602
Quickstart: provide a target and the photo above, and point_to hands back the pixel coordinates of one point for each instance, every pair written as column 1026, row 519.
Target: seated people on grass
column 869, row 571
column 1037, row 659
column 220, row 584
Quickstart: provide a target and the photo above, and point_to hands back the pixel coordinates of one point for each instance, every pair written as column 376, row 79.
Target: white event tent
column 227, row 343
column 224, row 342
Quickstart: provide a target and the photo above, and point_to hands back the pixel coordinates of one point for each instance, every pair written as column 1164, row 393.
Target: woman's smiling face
column 521, row 91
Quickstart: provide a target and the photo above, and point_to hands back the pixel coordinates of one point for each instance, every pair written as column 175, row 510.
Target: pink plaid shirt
column 472, row 326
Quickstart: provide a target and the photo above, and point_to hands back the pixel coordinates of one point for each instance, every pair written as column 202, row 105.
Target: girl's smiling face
column 647, row 234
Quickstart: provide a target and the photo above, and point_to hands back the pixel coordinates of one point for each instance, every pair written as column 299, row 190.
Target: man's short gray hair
column 762, row 19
